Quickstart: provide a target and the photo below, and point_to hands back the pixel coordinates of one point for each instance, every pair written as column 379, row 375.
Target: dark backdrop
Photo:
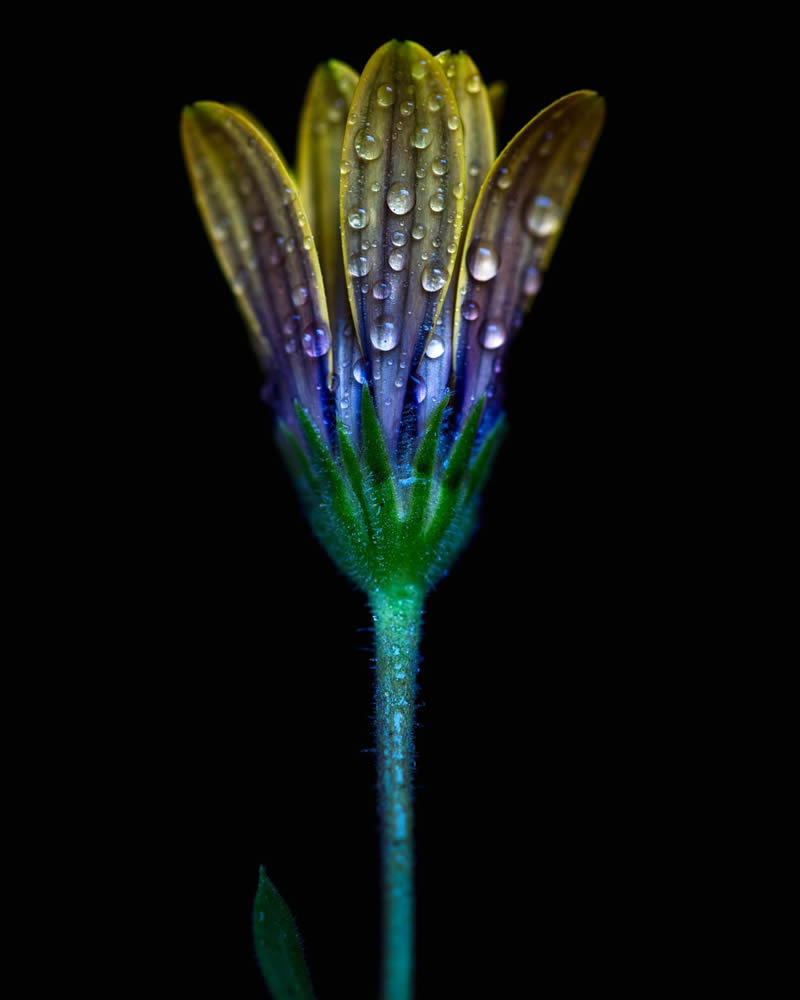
column 546, row 663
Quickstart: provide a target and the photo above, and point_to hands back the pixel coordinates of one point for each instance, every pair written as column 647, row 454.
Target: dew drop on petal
column 435, row 348
column 419, row 69
column 439, row 166
column 420, row 389
column 289, row 326
column 290, row 345
column 474, row 168
column 367, row 146
column 474, row 84
column 358, row 266
column 406, row 108
column 503, row 180
column 384, row 334
column 345, row 167
column 422, row 137
column 316, row 341
column 542, row 216
column 532, row 281
column 470, row 311
column 458, row 190
column 358, row 218
column 483, row 260
column 433, row 278
column 380, row 290
column 492, row 335
column 399, row 238
column 436, row 203
column 435, row 102
column 397, row 260
column 452, row 122
column 300, row 295
column 400, row 198
column 386, row 95
column 360, row 371
column 418, row 231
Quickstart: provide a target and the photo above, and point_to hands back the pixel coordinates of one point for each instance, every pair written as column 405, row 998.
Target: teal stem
column 397, row 613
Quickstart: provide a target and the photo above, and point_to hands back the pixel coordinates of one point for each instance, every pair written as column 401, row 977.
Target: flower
column 383, row 286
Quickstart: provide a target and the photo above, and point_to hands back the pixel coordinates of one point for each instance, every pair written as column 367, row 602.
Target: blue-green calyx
column 385, row 525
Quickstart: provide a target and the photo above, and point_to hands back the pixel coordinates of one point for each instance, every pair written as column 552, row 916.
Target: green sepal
column 278, row 948
column 353, row 469
column 424, row 466
column 376, row 456
column 462, row 450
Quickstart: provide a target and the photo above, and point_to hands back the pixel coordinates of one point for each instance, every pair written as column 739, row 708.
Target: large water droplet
column 492, row 335
column 300, row 295
column 316, row 341
column 358, row 218
column 386, row 95
column 360, row 371
column 399, row 238
column 397, row 260
column 470, row 311
column 422, row 137
column 358, row 266
column 420, row 390
column 439, row 166
column 483, row 260
column 532, row 281
column 367, row 146
column 436, row 203
column 419, row 69
column 400, row 198
column 384, row 334
column 418, row 231
column 380, row 290
column 433, row 278
column 542, row 216
column 435, row 348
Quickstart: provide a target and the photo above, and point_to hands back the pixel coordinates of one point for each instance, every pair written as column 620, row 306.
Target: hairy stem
column 397, row 613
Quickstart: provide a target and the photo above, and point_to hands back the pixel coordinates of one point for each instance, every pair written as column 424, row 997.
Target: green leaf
column 278, row 948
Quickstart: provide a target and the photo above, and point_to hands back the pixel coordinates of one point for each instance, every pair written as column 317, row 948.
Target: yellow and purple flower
column 383, row 283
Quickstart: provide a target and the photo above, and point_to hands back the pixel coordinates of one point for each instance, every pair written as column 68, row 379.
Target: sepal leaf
column 277, row 943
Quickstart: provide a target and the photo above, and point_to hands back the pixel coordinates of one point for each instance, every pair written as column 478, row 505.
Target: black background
column 545, row 751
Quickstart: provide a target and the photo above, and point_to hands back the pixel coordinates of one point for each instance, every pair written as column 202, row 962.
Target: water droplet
column 290, row 345
column 406, row 108
column 299, row 295
column 458, row 190
column 367, row 146
column 503, row 178
column 276, row 251
column 439, row 166
column 398, row 382
column 289, row 327
column 532, row 281
column 316, row 341
column 474, row 168
column 435, row 348
column 420, row 389
column 397, row 260
column 492, row 335
column 483, row 261
column 434, row 278
column 451, row 248
column 240, row 282
column 399, row 238
column 470, row 311
column 386, row 95
column 352, row 117
column 346, row 167
column 360, row 371
column 333, row 381
column 220, row 230
column 452, row 122
column 436, row 203
column 435, row 102
column 336, row 110
column 542, row 216
column 418, row 231
column 380, row 290
column 358, row 218
column 384, row 334
column 420, row 171
column 400, row 198
column 308, row 242
column 422, row 137
column 358, row 266
column 419, row 69
column 474, row 84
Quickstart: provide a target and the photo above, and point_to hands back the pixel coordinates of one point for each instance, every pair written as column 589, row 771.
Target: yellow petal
column 262, row 239
column 513, row 231
column 402, row 206
column 479, row 153
column 497, row 100
column 319, row 156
